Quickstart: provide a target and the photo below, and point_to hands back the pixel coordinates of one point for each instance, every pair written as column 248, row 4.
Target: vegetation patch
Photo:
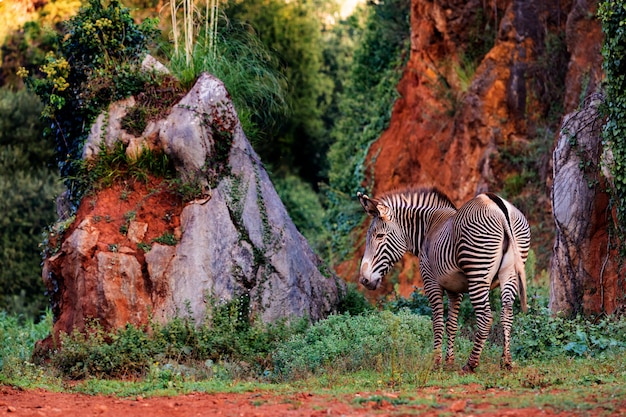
column 365, row 108
column 110, row 166
column 613, row 17
column 153, row 103
column 97, row 63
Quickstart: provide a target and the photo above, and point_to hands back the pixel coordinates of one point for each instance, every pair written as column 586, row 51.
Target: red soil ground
column 483, row 402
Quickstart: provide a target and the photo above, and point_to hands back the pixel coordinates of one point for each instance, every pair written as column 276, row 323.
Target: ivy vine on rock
column 613, row 17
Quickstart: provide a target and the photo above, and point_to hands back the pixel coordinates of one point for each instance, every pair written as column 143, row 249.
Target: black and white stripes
column 471, row 250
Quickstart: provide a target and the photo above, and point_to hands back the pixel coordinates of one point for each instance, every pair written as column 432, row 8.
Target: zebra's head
column 385, row 243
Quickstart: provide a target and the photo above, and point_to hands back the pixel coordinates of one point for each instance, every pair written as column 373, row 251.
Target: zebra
column 474, row 249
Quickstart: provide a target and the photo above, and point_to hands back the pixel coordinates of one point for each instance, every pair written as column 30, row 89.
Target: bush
column 542, row 335
column 97, row 63
column 353, row 302
column 347, row 343
column 228, row 337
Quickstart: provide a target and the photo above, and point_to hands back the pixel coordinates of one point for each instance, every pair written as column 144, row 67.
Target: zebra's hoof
column 467, row 370
column 449, row 365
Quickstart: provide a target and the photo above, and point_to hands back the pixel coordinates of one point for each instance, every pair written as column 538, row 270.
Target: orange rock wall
column 446, row 133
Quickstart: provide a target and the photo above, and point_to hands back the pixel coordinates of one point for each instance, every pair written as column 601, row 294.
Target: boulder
column 137, row 251
column 584, row 276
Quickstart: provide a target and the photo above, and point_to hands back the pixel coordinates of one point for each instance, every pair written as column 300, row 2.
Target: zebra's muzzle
column 370, row 285
column 366, row 279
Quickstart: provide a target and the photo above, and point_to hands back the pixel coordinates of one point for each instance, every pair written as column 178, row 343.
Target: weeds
column 166, row 238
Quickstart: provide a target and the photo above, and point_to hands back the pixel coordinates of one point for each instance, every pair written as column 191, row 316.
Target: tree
column 293, row 31
column 28, row 186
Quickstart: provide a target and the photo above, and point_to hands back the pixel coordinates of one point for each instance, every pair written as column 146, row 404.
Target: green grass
column 370, row 358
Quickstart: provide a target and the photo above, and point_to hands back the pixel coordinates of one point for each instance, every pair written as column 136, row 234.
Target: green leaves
column 97, row 62
column 364, row 112
column 613, row 17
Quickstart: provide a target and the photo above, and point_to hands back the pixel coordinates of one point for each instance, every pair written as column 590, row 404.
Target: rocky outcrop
column 137, row 250
column 585, row 269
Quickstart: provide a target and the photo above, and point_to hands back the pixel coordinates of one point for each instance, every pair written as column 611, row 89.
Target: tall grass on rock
column 248, row 70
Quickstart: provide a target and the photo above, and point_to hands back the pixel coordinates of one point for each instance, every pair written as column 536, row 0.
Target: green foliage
column 27, row 191
column 305, row 209
column 293, row 32
column 417, row 304
column 543, row 335
column 28, row 33
column 21, row 127
column 347, row 343
column 166, row 238
column 152, row 104
column 94, row 353
column 109, row 167
column 19, row 335
column 613, row 17
column 547, row 79
column 353, row 302
column 365, row 110
column 96, row 63
column 228, row 336
column 482, row 33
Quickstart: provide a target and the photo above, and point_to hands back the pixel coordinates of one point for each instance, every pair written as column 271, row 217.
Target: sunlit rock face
column 137, row 251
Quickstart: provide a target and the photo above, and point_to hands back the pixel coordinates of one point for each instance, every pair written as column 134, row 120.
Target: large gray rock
column 236, row 240
column 584, row 270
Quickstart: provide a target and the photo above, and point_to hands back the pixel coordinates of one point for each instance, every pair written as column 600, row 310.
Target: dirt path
column 429, row 403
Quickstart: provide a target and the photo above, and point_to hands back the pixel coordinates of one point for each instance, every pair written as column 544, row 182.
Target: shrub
column 353, row 302
column 228, row 337
column 347, row 343
column 541, row 335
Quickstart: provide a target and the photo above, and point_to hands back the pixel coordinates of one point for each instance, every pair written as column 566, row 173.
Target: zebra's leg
column 435, row 298
column 454, row 301
column 480, row 301
column 509, row 289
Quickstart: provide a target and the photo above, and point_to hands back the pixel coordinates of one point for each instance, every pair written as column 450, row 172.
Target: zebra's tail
column 520, row 269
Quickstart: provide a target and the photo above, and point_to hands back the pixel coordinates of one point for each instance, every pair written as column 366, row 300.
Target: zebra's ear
column 369, row 205
column 384, row 212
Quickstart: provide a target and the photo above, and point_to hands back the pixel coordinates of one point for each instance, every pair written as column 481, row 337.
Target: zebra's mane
column 416, row 197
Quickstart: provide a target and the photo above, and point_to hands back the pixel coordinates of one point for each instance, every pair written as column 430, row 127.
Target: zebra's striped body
column 473, row 249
